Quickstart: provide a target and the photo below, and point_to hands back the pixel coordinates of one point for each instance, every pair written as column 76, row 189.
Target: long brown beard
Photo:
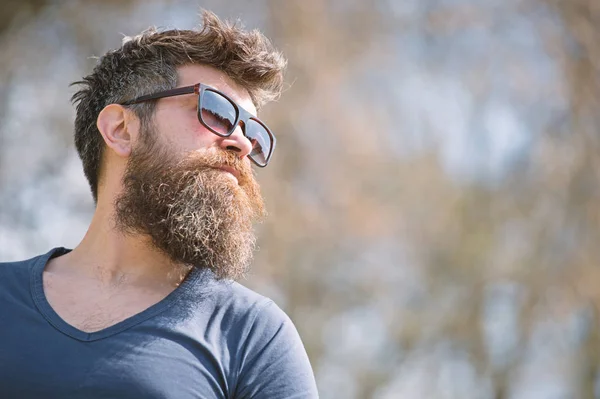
column 193, row 213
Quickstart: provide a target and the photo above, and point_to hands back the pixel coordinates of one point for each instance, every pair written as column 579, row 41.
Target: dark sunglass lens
column 217, row 112
column 261, row 142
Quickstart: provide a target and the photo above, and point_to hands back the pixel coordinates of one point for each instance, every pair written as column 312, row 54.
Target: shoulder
column 265, row 355
column 245, row 316
column 18, row 267
column 243, row 303
column 269, row 356
column 15, row 279
column 21, row 268
column 261, row 311
column 16, row 264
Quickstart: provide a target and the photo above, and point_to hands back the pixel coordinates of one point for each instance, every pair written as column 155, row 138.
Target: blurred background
column 434, row 199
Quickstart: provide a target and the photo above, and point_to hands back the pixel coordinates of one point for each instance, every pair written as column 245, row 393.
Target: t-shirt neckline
column 40, row 300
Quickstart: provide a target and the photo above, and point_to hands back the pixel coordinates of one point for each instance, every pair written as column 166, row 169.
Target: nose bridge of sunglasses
column 243, row 118
column 233, row 131
column 242, row 125
column 239, row 125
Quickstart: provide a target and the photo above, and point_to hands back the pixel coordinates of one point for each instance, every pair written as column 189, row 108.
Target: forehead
column 189, row 75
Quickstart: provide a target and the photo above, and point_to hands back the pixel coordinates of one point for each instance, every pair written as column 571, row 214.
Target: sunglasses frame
column 199, row 89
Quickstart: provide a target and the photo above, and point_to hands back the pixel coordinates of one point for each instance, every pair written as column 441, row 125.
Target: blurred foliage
column 405, row 277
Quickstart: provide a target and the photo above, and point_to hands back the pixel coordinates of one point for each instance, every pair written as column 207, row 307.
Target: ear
column 119, row 128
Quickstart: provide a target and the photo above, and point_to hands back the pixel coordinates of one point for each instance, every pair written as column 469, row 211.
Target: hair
column 148, row 62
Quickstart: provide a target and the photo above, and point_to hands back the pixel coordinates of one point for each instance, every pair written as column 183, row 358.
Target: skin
column 110, row 276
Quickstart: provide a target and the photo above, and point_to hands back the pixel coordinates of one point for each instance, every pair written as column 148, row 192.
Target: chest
column 90, row 307
column 132, row 364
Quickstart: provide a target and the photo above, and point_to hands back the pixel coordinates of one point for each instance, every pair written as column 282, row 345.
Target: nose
column 237, row 142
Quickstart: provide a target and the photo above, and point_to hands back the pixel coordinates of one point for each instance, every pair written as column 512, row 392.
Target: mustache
column 200, row 162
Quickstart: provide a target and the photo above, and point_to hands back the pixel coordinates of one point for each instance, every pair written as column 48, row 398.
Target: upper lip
column 229, row 169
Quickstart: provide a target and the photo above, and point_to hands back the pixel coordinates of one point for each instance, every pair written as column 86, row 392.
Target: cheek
column 201, row 137
column 186, row 133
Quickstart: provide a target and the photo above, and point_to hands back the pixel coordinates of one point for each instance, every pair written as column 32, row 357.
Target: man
column 145, row 306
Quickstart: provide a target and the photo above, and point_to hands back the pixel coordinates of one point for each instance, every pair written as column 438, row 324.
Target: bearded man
column 146, row 305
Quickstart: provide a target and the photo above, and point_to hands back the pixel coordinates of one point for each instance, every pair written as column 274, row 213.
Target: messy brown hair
column 148, row 63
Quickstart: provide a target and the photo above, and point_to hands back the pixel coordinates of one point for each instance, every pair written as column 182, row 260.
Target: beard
column 193, row 213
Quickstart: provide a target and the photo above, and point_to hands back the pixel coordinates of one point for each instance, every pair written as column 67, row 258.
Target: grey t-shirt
column 207, row 339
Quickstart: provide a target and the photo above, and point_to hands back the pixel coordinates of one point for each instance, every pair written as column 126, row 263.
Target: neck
column 112, row 258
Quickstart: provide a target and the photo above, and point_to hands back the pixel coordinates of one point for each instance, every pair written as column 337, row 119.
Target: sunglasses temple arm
column 169, row 93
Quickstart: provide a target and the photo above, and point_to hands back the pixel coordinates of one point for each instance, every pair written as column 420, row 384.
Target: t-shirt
column 207, row 339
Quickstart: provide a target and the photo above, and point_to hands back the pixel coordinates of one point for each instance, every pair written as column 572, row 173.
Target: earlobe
column 116, row 127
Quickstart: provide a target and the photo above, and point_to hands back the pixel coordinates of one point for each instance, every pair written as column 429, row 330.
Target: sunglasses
column 221, row 115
